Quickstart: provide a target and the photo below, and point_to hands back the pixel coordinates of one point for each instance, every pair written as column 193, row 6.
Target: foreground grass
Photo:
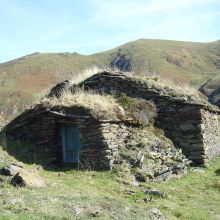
column 75, row 194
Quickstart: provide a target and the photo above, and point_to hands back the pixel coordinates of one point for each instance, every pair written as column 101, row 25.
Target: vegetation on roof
column 99, row 104
column 152, row 80
column 165, row 87
column 179, row 90
column 85, row 74
column 141, row 111
column 171, row 87
column 168, row 87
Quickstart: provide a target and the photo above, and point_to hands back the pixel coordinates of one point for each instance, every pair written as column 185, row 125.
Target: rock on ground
column 155, row 214
column 197, row 170
column 154, row 192
column 11, row 170
column 27, row 178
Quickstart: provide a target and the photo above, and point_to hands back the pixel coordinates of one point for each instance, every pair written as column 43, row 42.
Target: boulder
column 197, row 170
column 26, row 178
column 154, row 192
column 93, row 211
column 11, row 170
column 155, row 214
column 77, row 210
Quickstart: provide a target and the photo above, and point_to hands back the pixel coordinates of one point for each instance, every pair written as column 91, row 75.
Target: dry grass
column 179, row 87
column 174, row 87
column 89, row 72
column 143, row 76
column 94, row 101
column 85, row 74
column 80, row 97
column 219, row 127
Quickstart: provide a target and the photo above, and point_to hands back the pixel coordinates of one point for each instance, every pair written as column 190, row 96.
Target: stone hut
column 190, row 122
column 95, row 131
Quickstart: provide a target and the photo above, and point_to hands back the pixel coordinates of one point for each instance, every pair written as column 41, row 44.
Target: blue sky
column 90, row 26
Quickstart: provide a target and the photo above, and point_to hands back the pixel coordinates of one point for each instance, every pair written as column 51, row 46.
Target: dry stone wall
column 183, row 125
column 100, row 144
column 34, row 131
column 99, row 140
column 103, row 144
column 210, row 132
column 190, row 125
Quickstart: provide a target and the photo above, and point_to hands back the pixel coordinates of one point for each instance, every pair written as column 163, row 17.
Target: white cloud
column 113, row 11
column 163, row 19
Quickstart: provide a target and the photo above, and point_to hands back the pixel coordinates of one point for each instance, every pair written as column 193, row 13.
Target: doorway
column 70, row 143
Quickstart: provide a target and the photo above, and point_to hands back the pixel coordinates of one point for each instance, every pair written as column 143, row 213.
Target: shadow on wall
column 25, row 145
column 25, row 152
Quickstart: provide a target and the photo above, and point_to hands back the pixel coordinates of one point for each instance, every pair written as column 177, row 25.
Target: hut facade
column 93, row 130
column 190, row 122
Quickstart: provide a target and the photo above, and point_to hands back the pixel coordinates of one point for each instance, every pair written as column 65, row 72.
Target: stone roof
column 149, row 85
column 154, row 87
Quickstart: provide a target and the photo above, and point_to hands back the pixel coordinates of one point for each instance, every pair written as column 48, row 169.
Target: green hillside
column 21, row 80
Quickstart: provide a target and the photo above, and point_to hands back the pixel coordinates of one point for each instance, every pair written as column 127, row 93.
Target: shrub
column 140, row 110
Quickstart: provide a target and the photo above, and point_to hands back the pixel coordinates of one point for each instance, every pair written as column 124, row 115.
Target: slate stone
column 26, row 178
column 154, row 192
column 10, row 170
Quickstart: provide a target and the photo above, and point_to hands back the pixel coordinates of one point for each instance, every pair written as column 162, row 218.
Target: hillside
column 21, row 80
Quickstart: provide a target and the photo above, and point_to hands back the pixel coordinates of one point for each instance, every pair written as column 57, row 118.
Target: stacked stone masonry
column 99, row 140
column 191, row 126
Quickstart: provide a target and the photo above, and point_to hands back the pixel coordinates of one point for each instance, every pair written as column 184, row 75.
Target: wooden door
column 70, row 143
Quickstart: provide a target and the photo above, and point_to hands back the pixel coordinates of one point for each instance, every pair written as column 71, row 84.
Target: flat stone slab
column 11, row 170
column 26, row 178
column 155, row 214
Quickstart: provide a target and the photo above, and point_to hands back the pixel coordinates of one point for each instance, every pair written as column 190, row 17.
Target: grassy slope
column 22, row 79
column 191, row 197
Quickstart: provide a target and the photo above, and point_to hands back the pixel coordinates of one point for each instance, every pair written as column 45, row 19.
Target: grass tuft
column 85, row 74
column 88, row 99
column 173, row 87
column 180, row 88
